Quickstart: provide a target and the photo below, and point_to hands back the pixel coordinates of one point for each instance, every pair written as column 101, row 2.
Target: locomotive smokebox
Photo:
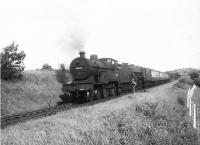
column 82, row 54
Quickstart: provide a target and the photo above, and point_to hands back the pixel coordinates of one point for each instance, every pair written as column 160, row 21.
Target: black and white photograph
column 100, row 72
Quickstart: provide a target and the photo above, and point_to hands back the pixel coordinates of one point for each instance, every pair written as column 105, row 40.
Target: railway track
column 23, row 117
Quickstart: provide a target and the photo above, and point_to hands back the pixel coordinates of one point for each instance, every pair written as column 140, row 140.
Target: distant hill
column 184, row 71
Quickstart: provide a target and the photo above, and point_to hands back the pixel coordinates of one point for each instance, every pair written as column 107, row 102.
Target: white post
column 198, row 122
column 192, row 90
column 198, row 129
column 190, row 101
column 188, row 96
column 194, row 120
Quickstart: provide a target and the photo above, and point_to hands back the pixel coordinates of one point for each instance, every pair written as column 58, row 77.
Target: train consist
column 100, row 78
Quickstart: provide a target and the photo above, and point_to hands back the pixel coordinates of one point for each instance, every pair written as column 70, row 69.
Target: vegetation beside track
column 183, row 85
column 154, row 117
column 34, row 91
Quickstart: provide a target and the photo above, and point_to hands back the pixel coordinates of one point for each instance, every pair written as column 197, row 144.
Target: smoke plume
column 73, row 41
column 76, row 42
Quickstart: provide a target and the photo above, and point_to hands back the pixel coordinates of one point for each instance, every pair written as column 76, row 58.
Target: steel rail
column 25, row 116
column 22, row 117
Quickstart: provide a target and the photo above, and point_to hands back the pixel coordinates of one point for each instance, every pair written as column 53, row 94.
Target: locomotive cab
column 109, row 62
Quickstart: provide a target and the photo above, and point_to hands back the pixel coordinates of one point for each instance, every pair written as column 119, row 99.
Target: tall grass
column 147, row 123
column 154, row 124
column 34, row 91
column 184, row 83
column 149, row 118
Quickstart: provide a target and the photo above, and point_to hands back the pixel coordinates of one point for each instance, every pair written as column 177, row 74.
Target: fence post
column 190, row 101
column 188, row 96
column 193, row 109
column 194, row 119
column 192, row 90
column 198, row 123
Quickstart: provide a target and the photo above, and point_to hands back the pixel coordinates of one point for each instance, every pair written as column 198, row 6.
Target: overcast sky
column 159, row 34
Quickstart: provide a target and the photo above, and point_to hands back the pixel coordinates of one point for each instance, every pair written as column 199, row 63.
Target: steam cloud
column 76, row 42
column 73, row 41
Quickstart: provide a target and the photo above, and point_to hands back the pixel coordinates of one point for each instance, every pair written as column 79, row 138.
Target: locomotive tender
column 99, row 78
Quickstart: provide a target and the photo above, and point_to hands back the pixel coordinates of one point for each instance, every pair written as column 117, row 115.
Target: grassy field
column 156, row 117
column 33, row 92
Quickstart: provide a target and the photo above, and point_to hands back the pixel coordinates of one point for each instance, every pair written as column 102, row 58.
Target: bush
column 46, row 67
column 197, row 81
column 63, row 75
column 180, row 100
column 12, row 62
column 194, row 75
column 185, row 80
column 174, row 75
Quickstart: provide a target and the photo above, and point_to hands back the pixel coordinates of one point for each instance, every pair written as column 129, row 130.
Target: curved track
column 22, row 117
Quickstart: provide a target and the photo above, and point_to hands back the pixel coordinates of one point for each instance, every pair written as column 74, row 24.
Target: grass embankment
column 34, row 91
column 150, row 118
column 183, row 85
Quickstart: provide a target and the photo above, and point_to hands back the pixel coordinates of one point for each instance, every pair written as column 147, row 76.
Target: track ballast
column 22, row 117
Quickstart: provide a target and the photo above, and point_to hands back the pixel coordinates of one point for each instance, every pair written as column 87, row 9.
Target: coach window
column 108, row 60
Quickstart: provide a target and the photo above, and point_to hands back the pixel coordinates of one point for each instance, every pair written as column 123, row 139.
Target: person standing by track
column 133, row 84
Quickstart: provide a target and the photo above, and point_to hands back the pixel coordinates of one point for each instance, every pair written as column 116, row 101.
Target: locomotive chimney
column 82, row 54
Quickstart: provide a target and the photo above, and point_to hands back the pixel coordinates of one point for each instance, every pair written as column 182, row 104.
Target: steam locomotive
column 100, row 78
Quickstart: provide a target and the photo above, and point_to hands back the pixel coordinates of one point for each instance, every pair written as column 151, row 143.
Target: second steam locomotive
column 100, row 78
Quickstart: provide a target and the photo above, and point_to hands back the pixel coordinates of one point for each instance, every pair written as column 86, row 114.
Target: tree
column 46, row 67
column 197, row 81
column 12, row 62
column 194, row 75
column 174, row 75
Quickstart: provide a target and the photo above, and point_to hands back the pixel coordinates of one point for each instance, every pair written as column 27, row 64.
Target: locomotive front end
column 92, row 78
column 81, row 70
column 80, row 67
